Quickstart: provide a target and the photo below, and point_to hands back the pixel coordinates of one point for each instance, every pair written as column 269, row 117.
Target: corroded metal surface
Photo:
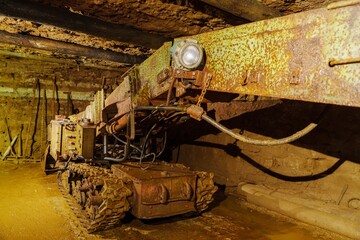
column 98, row 198
column 228, row 110
column 205, row 190
column 148, row 73
column 119, row 94
column 162, row 190
column 166, row 189
column 68, row 138
column 119, row 101
column 310, row 56
column 85, row 139
column 140, row 84
column 289, row 57
column 195, row 112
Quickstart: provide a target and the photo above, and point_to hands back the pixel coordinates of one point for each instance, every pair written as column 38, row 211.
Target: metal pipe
column 160, row 108
column 270, row 142
column 334, row 62
column 105, row 143
column 73, row 62
column 68, row 48
column 121, row 123
column 114, row 159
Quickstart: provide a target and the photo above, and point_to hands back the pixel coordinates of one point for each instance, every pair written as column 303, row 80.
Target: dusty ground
column 33, row 208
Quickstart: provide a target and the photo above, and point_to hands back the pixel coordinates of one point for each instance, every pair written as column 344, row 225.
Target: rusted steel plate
column 227, row 110
column 289, row 57
column 140, row 85
column 149, row 70
column 162, row 190
column 119, row 94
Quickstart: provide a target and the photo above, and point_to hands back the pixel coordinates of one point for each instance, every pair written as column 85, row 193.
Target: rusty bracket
column 180, row 88
column 164, row 75
column 195, row 112
column 201, row 79
column 199, row 76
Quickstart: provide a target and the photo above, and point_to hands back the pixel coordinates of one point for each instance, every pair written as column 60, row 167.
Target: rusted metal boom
column 310, row 56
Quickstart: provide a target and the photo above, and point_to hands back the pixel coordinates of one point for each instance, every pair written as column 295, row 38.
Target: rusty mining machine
column 106, row 156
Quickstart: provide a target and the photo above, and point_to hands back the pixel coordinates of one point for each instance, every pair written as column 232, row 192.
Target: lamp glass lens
column 191, row 55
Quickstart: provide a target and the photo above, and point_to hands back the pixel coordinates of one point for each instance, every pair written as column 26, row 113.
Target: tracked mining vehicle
column 102, row 189
column 100, row 197
column 107, row 157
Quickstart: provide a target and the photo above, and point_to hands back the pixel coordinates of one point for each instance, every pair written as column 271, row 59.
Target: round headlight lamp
column 188, row 54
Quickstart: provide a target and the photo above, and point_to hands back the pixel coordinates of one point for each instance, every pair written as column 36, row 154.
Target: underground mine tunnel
column 179, row 119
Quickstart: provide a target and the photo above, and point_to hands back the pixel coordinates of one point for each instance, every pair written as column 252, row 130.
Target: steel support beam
column 43, row 14
column 66, row 61
column 16, row 92
column 252, row 10
column 310, row 56
column 67, row 48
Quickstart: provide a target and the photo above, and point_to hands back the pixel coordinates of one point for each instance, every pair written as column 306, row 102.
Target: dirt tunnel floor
column 31, row 207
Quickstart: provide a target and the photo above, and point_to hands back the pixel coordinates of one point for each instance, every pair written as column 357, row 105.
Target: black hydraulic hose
column 164, row 145
column 128, row 144
column 146, row 139
column 269, row 142
column 126, row 154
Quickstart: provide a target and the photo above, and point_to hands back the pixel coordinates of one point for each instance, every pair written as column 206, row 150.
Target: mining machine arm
column 310, row 56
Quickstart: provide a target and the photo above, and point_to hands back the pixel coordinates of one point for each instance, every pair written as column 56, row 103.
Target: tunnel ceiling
column 133, row 28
